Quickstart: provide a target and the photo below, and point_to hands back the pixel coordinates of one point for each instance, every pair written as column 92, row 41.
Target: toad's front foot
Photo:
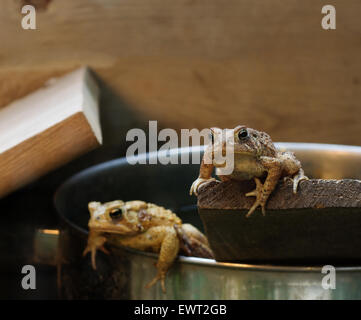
column 259, row 201
column 93, row 245
column 197, row 183
column 297, row 178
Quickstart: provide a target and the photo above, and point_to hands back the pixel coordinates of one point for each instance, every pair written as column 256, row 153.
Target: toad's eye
column 116, row 213
column 243, row 133
column 211, row 136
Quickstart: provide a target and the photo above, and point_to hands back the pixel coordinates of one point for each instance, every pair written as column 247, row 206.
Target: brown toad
column 144, row 226
column 255, row 157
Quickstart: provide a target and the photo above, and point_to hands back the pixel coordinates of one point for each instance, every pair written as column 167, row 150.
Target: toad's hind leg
column 193, row 242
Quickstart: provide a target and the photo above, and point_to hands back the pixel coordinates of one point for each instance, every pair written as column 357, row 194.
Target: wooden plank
column 48, row 128
column 189, row 64
column 319, row 224
column 313, row 193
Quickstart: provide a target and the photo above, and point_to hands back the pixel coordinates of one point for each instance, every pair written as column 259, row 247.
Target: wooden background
column 198, row 63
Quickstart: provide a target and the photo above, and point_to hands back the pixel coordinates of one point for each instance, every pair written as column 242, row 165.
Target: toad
column 144, row 226
column 255, row 157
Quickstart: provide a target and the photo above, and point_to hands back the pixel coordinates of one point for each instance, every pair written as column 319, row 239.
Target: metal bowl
column 124, row 273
